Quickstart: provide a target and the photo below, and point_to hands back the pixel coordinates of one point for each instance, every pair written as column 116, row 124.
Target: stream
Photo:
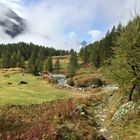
column 100, row 109
column 61, row 79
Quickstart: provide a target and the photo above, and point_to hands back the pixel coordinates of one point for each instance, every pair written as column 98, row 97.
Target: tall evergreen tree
column 57, row 65
column 73, row 59
column 14, row 60
column 41, row 54
column 125, row 64
column 49, row 65
column 6, row 61
column 20, row 60
column 71, row 69
column 94, row 57
column 31, row 62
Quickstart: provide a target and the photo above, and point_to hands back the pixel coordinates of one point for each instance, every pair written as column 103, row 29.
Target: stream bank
column 100, row 108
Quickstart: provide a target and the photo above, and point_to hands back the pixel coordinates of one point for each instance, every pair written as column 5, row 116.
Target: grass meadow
column 36, row 91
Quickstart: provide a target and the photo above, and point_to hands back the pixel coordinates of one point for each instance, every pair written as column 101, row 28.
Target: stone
column 124, row 109
column 103, row 130
column 101, row 137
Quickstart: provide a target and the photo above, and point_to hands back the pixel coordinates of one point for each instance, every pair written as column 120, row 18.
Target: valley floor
column 20, row 88
column 31, row 109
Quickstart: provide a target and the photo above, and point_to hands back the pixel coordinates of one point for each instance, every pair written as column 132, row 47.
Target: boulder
column 23, row 82
column 124, row 109
column 82, row 110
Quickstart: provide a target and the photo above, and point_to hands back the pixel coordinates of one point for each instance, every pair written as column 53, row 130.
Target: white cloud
column 59, row 23
column 13, row 4
column 95, row 35
column 73, row 41
column 50, row 21
column 3, row 36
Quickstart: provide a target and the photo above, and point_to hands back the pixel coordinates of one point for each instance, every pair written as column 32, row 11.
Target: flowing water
column 61, row 79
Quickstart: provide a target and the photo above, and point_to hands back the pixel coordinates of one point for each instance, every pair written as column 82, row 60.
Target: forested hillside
column 17, row 54
column 99, row 52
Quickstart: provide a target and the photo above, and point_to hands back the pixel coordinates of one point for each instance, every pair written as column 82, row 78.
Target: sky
column 64, row 24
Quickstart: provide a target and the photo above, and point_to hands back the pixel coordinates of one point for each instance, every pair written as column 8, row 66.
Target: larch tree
column 125, row 67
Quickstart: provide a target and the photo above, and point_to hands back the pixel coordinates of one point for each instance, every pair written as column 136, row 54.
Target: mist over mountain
column 61, row 24
column 10, row 23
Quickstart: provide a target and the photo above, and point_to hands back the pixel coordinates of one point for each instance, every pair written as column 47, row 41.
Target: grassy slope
column 36, row 91
column 71, row 119
column 64, row 60
column 83, row 73
column 126, row 129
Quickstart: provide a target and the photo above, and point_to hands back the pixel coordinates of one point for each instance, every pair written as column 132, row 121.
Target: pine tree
column 85, row 55
column 94, row 57
column 40, row 67
column 57, row 65
column 31, row 62
column 37, row 67
column 41, row 54
column 73, row 59
column 6, row 61
column 49, row 65
column 72, row 51
column 20, row 60
column 35, row 70
column 13, row 61
column 71, row 69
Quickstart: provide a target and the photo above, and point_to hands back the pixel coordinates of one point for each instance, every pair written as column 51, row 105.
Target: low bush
column 54, row 121
column 97, row 82
column 92, row 82
column 70, row 82
column 53, row 81
column 23, row 82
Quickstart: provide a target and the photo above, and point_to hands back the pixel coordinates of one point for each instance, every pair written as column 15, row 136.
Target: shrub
column 53, row 81
column 71, row 82
column 23, row 82
column 97, row 82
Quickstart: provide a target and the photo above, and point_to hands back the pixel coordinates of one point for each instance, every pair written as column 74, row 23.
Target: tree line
column 98, row 52
column 33, row 57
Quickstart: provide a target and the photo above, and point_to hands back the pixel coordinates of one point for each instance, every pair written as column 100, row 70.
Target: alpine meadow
column 69, row 70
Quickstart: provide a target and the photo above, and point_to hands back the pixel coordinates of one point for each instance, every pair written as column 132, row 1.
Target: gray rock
column 124, row 109
column 82, row 110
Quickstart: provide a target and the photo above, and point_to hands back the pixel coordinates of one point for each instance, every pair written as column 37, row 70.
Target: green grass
column 35, row 92
column 64, row 60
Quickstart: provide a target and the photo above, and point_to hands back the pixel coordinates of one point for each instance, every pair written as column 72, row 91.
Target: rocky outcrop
column 126, row 108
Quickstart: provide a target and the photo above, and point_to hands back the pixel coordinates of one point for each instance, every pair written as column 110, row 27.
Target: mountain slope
column 10, row 23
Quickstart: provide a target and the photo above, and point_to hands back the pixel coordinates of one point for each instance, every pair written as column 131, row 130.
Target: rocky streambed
column 60, row 78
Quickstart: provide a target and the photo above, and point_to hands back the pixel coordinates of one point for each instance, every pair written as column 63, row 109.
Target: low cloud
column 61, row 24
column 73, row 41
column 95, row 35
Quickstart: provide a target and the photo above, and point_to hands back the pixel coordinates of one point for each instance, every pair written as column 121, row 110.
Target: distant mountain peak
column 12, row 24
